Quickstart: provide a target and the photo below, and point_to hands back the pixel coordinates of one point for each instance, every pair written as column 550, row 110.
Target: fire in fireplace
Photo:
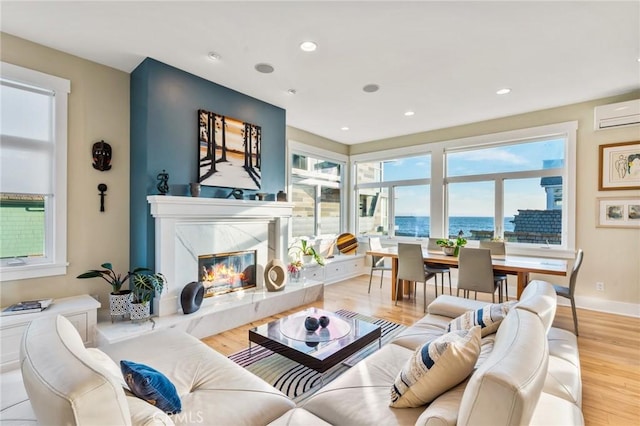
column 226, row 272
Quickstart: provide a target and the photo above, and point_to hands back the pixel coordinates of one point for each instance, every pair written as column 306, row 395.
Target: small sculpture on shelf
column 163, row 182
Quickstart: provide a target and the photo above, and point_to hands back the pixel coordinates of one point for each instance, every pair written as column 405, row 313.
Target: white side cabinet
column 343, row 267
column 80, row 310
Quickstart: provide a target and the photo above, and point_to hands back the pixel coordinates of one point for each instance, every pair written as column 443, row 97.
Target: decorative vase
column 194, row 189
column 449, row 251
column 324, row 321
column 275, row 275
column 191, row 297
column 281, row 196
column 294, row 276
column 139, row 312
column 119, row 304
column 311, row 323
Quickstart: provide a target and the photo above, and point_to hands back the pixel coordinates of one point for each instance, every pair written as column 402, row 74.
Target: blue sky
column 476, row 199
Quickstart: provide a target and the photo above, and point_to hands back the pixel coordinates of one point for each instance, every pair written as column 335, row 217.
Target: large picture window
column 33, row 150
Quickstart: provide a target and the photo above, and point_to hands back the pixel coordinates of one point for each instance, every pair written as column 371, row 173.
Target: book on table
column 27, row 307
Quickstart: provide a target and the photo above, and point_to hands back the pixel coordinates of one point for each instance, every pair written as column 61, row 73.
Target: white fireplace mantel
column 174, row 249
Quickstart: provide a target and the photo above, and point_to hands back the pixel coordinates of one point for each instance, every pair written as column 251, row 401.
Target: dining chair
column 497, row 248
column 569, row 291
column 438, row 268
column 411, row 268
column 475, row 273
column 377, row 262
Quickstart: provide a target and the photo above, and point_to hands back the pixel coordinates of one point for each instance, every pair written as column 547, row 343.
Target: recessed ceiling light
column 409, row 113
column 264, row 68
column 503, row 91
column 345, row 128
column 213, row 56
column 308, row 46
column 370, row 88
column 292, row 91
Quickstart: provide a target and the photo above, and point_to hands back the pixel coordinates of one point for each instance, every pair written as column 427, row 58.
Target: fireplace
column 226, row 272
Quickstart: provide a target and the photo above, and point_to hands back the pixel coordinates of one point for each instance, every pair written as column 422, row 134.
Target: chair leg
column 575, row 315
column 381, row 278
column 370, row 277
column 435, row 277
column 424, row 295
column 450, row 291
column 397, row 291
column 506, row 290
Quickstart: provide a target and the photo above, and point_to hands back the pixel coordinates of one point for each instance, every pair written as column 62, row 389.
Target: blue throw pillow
column 151, row 385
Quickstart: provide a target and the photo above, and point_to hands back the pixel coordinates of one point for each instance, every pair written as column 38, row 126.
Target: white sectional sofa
column 527, row 373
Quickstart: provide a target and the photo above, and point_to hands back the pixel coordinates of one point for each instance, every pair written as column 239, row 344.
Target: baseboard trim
column 600, row 305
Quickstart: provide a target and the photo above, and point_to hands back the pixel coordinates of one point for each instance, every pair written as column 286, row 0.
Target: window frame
column 55, row 260
column 438, row 181
column 299, row 148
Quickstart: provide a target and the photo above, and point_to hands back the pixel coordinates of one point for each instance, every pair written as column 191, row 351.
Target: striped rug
column 299, row 382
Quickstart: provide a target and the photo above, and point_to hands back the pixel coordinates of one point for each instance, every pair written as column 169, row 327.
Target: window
column 316, row 191
column 518, row 185
column 394, row 196
column 33, row 149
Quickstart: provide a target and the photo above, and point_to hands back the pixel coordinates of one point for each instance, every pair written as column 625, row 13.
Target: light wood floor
column 609, row 345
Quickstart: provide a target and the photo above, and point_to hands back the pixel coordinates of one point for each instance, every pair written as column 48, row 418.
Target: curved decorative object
column 275, row 275
column 191, row 297
column 347, row 243
column 311, row 323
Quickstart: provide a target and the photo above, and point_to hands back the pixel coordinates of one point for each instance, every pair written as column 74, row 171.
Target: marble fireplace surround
column 186, row 227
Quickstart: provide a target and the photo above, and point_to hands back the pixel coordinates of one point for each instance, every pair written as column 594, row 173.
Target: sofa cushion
column 422, row 331
column 540, row 298
column 435, row 367
column 488, row 318
column 443, row 411
column 202, row 375
column 64, row 383
column 110, row 367
column 152, row 386
column 505, row 388
column 452, row 306
column 563, row 375
column 554, row 411
column 298, row 416
column 360, row 396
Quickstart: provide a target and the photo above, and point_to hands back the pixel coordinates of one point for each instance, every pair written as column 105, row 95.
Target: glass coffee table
column 321, row 349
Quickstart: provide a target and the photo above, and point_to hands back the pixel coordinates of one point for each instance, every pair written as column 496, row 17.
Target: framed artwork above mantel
column 619, row 166
column 229, row 152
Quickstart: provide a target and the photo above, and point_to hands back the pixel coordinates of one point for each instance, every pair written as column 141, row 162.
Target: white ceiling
column 443, row 60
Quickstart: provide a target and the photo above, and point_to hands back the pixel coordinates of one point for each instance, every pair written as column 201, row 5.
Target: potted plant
column 118, row 298
column 144, row 285
column 294, row 269
column 452, row 247
column 307, row 252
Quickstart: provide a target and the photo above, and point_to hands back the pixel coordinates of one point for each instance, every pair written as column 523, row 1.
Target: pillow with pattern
column 152, row 386
column 436, row 367
column 488, row 318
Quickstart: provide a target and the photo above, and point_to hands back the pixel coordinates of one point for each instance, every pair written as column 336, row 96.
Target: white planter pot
column 119, row 304
column 139, row 312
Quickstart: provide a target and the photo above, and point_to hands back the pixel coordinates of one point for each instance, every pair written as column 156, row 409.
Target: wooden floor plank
column 609, row 344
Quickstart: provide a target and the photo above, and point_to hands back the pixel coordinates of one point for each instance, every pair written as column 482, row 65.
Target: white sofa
column 528, row 373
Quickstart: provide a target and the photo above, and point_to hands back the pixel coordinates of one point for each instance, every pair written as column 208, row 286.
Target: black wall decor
column 101, row 152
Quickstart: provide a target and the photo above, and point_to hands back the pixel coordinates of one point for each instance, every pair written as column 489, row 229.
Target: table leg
column 394, row 277
column 523, row 280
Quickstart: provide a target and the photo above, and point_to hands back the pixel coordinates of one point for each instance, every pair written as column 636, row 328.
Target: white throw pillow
column 436, row 367
column 488, row 317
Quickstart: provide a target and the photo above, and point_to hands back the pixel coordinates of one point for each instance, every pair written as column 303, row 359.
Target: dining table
column 521, row 266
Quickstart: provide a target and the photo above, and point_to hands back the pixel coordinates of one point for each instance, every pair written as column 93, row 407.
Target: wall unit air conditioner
column 617, row 115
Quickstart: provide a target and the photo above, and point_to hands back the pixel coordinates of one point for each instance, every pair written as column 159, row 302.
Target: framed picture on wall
column 619, row 166
column 229, row 152
column 618, row 212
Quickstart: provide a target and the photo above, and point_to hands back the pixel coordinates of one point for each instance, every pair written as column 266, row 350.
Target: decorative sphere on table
column 311, row 323
column 324, row 321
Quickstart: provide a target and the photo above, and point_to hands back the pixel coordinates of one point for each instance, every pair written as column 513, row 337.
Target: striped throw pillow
column 488, row 318
column 436, row 367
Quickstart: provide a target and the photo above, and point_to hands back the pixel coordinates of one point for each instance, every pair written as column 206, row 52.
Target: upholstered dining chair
column 438, row 268
column 497, row 248
column 377, row 262
column 568, row 291
column 411, row 268
column 475, row 272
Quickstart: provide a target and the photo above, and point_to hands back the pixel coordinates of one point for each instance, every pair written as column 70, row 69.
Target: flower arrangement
column 294, row 266
column 306, row 249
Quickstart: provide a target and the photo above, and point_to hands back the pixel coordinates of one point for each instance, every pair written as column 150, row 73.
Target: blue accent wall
column 164, row 135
